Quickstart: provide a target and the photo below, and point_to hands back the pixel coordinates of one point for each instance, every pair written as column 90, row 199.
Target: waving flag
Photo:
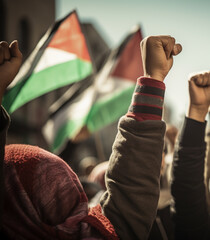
column 103, row 102
column 116, row 83
column 60, row 58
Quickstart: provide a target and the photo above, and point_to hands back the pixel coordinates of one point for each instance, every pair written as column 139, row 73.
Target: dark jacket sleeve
column 132, row 179
column 188, row 190
column 4, row 123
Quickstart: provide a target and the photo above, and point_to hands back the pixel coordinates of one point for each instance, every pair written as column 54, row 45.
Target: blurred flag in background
column 60, row 58
column 102, row 102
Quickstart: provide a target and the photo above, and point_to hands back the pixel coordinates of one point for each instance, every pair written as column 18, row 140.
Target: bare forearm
column 198, row 114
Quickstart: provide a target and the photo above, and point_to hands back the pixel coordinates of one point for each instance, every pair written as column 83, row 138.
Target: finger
column 176, row 49
column 14, row 49
column 192, row 82
column 193, row 78
column 198, row 79
column 205, row 79
column 6, row 52
column 201, row 79
column 208, row 83
column 16, row 55
column 168, row 44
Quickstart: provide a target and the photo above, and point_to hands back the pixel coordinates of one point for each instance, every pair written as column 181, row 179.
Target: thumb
column 176, row 49
column 192, row 83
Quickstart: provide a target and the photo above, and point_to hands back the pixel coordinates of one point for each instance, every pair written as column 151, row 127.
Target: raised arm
column 10, row 61
column 132, row 179
column 188, row 190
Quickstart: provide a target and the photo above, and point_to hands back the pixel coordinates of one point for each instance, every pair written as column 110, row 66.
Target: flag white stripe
column 53, row 56
column 79, row 108
column 113, row 85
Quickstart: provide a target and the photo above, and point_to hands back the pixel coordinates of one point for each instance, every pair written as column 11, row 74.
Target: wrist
column 156, row 76
column 197, row 113
column 147, row 101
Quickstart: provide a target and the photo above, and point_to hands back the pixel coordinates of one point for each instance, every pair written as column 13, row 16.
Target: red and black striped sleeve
column 147, row 101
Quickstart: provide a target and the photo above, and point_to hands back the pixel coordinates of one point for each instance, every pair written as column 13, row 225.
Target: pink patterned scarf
column 45, row 200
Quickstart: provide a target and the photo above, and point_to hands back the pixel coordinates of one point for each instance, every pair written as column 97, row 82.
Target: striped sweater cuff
column 147, row 101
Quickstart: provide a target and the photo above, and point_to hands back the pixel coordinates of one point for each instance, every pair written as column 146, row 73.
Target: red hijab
column 45, row 200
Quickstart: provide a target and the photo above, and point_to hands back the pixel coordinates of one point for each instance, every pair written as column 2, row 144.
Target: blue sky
column 187, row 21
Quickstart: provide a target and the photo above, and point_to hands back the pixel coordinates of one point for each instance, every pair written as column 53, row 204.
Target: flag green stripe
column 67, row 131
column 103, row 113
column 45, row 81
column 107, row 111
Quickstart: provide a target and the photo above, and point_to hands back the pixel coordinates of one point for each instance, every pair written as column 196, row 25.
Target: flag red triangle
column 69, row 38
column 129, row 64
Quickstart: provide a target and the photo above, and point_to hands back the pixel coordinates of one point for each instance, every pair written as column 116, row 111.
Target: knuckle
column 206, row 75
column 150, row 39
column 4, row 44
column 173, row 39
column 146, row 41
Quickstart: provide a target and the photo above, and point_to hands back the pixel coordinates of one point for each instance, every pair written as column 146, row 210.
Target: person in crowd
column 171, row 134
column 43, row 198
column 8, row 69
column 162, row 227
column 97, row 174
column 86, row 165
column 189, row 206
column 145, row 114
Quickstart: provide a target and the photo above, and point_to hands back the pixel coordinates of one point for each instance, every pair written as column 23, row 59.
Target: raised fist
column 10, row 62
column 157, row 55
column 199, row 90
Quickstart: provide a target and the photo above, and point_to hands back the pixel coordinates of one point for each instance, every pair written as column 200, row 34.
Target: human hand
column 199, row 91
column 157, row 55
column 10, row 62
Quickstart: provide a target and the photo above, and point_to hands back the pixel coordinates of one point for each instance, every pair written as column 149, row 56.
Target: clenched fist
column 199, row 90
column 157, row 55
column 10, row 62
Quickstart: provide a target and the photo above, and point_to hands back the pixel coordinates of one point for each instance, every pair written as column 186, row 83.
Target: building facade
column 26, row 21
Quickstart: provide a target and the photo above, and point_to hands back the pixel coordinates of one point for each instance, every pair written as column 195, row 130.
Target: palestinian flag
column 102, row 103
column 60, row 58
column 116, row 83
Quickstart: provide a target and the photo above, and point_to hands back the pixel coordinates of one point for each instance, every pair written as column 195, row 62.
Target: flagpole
column 98, row 142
